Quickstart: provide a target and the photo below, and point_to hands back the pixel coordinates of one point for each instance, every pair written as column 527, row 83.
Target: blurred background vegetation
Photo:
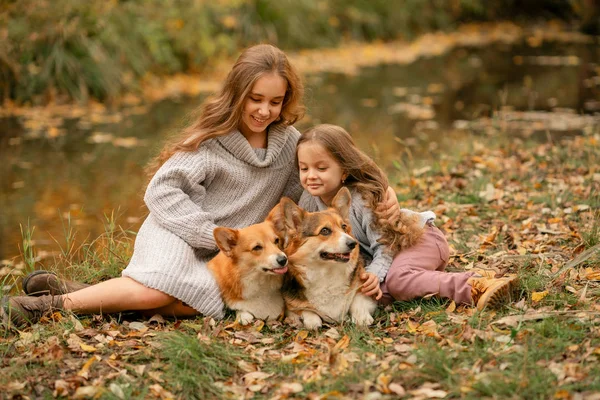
column 61, row 50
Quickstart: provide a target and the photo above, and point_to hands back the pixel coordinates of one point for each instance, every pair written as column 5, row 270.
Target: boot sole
column 499, row 295
column 4, row 316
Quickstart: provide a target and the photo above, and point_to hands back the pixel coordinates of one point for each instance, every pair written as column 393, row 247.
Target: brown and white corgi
column 249, row 270
column 323, row 282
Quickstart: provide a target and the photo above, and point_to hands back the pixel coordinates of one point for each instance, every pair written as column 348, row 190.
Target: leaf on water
column 100, row 137
column 127, row 142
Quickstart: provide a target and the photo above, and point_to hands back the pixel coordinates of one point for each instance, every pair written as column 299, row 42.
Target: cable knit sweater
column 224, row 183
column 378, row 257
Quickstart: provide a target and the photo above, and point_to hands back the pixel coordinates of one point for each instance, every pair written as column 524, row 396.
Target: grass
column 195, row 366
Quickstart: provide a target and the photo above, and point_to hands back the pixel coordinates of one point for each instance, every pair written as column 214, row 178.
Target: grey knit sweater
column 379, row 257
column 224, row 183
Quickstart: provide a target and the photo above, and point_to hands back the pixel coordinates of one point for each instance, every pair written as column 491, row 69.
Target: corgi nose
column 282, row 260
column 351, row 244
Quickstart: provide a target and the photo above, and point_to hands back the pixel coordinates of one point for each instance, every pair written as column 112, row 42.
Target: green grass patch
column 193, row 366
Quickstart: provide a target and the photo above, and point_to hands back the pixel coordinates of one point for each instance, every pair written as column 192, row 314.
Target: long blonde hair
column 221, row 113
column 368, row 179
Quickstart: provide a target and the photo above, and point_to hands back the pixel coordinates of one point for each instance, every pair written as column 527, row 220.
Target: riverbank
column 67, row 49
column 48, row 120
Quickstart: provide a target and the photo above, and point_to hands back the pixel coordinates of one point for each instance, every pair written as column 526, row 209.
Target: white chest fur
column 327, row 288
column 261, row 295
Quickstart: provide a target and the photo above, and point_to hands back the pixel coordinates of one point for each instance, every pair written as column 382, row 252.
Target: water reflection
column 45, row 180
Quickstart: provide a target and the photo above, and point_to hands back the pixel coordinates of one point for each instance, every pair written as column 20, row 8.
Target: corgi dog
column 323, row 282
column 249, row 270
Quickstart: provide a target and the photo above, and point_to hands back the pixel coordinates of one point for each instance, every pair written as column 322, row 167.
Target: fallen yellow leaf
column 343, row 343
column 300, row 336
column 87, row 348
column 538, row 296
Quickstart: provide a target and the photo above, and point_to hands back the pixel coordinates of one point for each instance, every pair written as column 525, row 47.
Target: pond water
column 89, row 174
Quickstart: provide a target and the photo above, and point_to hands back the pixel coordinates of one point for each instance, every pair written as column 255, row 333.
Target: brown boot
column 491, row 292
column 40, row 283
column 20, row 311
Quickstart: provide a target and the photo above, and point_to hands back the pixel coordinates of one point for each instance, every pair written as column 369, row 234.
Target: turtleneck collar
column 237, row 145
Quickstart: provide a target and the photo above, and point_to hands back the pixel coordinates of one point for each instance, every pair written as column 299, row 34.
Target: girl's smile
column 261, row 107
column 320, row 174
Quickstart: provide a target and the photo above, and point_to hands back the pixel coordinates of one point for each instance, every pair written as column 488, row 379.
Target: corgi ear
column 293, row 215
column 341, row 202
column 226, row 239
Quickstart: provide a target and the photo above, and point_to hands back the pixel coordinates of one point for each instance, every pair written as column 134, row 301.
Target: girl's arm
column 168, row 199
column 382, row 258
column 389, row 206
column 362, row 217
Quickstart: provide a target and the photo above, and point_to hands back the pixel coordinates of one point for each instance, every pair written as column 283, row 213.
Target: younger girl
column 328, row 159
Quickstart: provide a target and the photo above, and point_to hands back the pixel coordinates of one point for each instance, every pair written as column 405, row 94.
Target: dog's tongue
column 282, row 270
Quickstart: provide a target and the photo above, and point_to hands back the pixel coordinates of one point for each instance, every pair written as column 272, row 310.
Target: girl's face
column 320, row 174
column 263, row 104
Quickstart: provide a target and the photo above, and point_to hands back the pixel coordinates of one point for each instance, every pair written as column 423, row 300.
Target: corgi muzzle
column 281, row 265
column 342, row 257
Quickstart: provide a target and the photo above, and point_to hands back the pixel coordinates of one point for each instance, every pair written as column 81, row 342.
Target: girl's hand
column 371, row 286
column 389, row 208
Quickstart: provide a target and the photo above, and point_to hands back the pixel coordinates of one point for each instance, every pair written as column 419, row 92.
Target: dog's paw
column 362, row 309
column 362, row 319
column 244, row 317
column 311, row 320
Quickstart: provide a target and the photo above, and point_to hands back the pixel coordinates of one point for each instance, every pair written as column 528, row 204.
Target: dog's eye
column 325, row 232
column 258, row 247
column 344, row 227
column 276, row 241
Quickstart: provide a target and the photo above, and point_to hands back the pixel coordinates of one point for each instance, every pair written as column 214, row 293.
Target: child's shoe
column 39, row 283
column 491, row 292
column 20, row 311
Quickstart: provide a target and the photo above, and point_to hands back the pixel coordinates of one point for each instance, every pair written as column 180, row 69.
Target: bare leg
column 175, row 309
column 122, row 294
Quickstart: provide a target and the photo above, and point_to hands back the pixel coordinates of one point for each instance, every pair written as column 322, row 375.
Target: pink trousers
column 419, row 271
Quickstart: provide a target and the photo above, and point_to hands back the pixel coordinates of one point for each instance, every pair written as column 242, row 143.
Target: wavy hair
column 221, row 113
column 369, row 180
